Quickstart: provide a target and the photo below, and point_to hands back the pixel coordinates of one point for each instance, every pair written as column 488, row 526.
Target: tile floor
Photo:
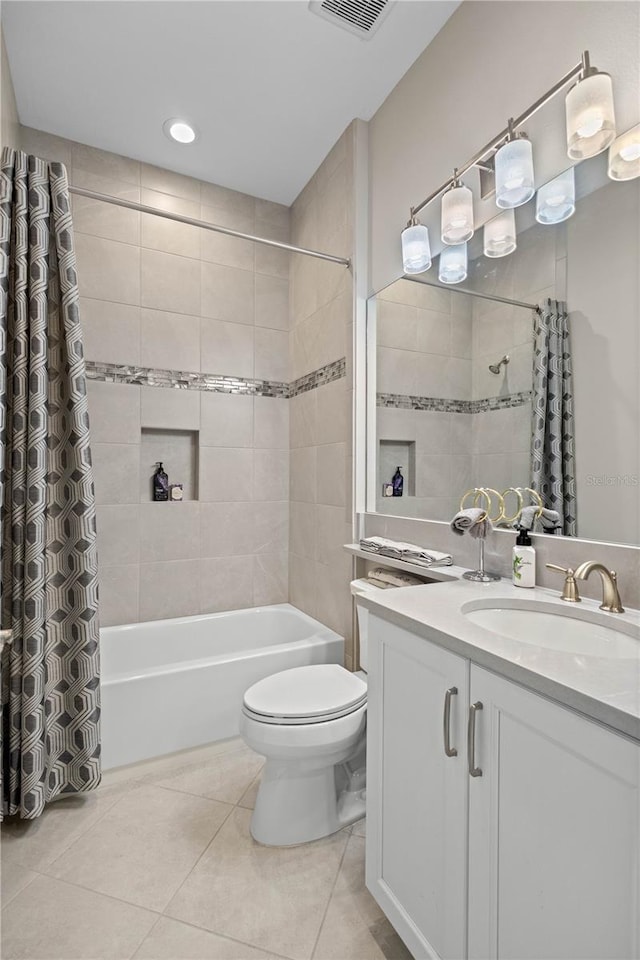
column 159, row 864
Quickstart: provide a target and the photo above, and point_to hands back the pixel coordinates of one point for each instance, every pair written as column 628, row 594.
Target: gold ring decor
column 476, row 492
column 518, row 494
column 488, row 493
column 536, row 496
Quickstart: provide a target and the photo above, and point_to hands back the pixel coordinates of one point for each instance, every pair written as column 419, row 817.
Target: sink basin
column 550, row 627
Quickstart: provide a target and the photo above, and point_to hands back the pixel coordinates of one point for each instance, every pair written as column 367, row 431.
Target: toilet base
column 298, row 809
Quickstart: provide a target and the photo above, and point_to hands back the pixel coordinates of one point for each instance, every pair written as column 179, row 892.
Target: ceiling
column 269, row 85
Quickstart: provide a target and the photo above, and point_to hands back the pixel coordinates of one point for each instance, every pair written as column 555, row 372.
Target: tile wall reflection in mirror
column 454, row 386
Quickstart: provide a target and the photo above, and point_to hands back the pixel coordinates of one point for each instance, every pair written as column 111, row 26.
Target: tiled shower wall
column 433, row 342
column 321, row 299
column 168, row 296
column 424, row 343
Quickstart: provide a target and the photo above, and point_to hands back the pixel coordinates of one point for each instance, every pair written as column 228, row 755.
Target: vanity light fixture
column 179, row 130
column 416, row 251
column 590, row 129
column 500, row 235
column 556, row 200
column 457, row 213
column 624, row 155
column 452, row 267
column 591, row 124
column 514, row 170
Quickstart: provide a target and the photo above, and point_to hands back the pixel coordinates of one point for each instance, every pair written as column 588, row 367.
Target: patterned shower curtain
column 553, row 429
column 50, row 695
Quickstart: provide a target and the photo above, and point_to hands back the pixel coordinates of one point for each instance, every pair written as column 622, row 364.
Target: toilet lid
column 322, row 691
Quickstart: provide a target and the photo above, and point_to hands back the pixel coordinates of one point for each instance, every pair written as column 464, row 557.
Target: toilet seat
column 305, row 695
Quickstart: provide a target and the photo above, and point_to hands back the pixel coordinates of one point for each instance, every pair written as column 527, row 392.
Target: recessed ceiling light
column 179, row 130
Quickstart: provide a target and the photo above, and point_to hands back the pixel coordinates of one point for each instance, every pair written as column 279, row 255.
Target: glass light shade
column 457, row 215
column 591, row 124
column 624, row 155
column 556, row 200
column 514, row 173
column 500, row 235
column 416, row 252
column 453, row 264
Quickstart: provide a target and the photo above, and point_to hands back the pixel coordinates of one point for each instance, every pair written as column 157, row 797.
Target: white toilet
column 310, row 724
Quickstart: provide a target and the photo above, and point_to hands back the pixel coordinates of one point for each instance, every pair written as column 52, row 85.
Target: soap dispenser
column 524, row 561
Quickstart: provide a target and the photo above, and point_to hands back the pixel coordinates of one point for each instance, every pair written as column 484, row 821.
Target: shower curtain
column 50, row 696
column 553, row 432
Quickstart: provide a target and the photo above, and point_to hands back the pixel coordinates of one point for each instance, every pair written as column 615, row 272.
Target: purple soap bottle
column 398, row 483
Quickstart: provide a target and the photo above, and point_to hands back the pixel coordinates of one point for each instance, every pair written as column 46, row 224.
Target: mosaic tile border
column 214, row 383
column 318, row 378
column 406, row 402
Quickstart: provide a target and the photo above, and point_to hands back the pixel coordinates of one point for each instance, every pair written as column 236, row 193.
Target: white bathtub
column 172, row 684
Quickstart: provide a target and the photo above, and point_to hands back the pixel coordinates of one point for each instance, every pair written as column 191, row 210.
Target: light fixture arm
column 582, row 69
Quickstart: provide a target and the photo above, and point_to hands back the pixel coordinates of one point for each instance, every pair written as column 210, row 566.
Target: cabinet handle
column 446, row 722
column 471, row 740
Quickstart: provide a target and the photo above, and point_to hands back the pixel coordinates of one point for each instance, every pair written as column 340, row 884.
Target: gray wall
column 456, row 95
column 321, row 332
column 489, row 62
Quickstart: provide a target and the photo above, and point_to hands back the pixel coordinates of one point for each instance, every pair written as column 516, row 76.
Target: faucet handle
column 570, row 589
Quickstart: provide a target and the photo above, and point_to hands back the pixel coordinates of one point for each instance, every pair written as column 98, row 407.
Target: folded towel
column 474, row 520
column 549, row 519
column 410, row 552
column 382, row 584
column 394, row 578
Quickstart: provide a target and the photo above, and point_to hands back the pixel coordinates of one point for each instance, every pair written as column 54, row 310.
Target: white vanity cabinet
column 537, row 856
column 416, row 794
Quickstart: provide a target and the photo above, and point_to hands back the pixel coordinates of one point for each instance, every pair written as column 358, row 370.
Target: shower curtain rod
column 205, row 225
column 473, row 293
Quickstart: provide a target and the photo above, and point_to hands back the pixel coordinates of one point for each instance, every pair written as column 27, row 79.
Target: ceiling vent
column 360, row 17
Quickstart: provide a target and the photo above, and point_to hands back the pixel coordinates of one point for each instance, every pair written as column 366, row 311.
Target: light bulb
column 624, row 155
column 591, row 124
column 416, row 251
column 453, row 264
column 457, row 215
column 556, row 200
column 179, row 130
column 500, row 235
column 514, row 173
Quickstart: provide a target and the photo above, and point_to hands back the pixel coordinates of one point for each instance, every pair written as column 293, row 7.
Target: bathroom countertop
column 605, row 689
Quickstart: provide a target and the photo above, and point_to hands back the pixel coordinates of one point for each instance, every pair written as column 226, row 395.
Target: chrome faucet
column 610, row 595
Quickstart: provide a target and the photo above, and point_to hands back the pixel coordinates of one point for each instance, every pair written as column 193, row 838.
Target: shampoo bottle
column 524, row 561
column 397, row 482
column 160, row 484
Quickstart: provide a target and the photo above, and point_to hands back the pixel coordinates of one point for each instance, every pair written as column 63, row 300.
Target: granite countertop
column 602, row 688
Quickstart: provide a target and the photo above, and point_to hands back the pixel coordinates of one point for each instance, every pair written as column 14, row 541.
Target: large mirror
column 457, row 370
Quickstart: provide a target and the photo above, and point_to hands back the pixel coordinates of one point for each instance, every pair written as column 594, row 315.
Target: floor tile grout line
column 35, row 873
column 160, row 913
column 83, row 831
column 96, row 893
column 145, row 938
column 330, row 897
column 181, row 885
column 223, row 936
column 53, row 876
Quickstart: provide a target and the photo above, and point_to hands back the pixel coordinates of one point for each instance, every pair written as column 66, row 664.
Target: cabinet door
column 553, row 831
column 416, row 795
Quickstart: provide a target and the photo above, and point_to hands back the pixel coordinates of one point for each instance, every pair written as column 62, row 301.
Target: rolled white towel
column 474, row 520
